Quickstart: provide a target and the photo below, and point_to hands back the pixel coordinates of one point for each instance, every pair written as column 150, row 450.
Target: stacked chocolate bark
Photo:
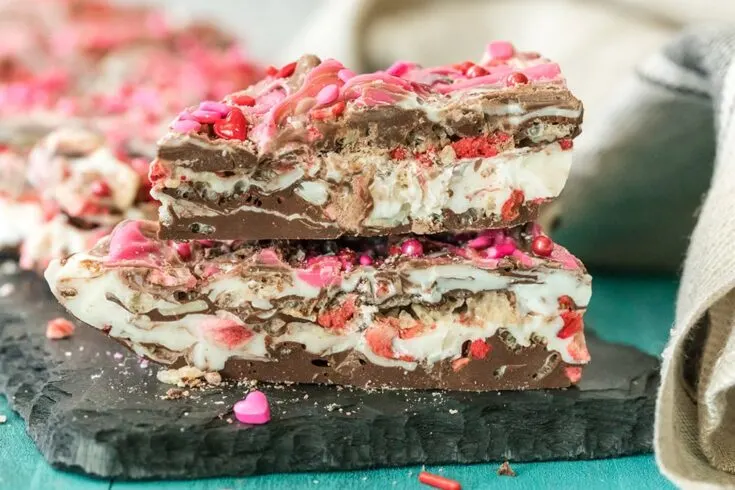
column 371, row 230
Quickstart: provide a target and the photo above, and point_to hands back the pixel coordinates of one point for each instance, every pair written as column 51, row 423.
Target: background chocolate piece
column 91, row 415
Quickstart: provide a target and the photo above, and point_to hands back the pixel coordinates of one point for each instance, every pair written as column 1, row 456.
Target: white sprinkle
column 3, row 419
column 7, row 289
column 117, row 355
column 453, row 411
column 81, row 348
column 144, row 364
column 67, row 354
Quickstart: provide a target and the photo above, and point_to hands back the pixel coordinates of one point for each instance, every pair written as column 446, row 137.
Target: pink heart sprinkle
column 206, row 117
column 399, row 68
column 327, row 95
column 545, row 71
column 501, row 50
column 254, row 409
column 186, row 126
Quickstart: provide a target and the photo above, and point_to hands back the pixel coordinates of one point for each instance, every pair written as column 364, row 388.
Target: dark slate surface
column 92, row 411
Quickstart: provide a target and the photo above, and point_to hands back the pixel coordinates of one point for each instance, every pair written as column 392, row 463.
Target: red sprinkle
column 232, row 127
column 542, row 246
column 242, row 99
column 334, row 110
column 516, row 78
column 100, row 188
column 566, row 143
column 437, row 481
column 479, row 349
column 412, row 248
column 510, row 210
column 476, row 71
column 183, row 249
column 464, row 66
column 565, row 302
column 572, row 324
column 271, row 71
column 59, row 328
column 459, row 364
column 286, row 70
column 398, row 153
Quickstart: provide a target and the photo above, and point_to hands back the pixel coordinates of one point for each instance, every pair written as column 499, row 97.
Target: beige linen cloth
column 656, row 161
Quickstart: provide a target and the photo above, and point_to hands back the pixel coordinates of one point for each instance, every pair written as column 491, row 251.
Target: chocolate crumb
column 173, row 394
column 506, row 470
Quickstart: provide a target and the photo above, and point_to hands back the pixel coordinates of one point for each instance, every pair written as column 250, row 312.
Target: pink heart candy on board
column 254, row 409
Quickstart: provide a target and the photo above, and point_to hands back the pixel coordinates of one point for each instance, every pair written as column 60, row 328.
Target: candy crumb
column 3, row 419
column 59, row 328
column 506, row 470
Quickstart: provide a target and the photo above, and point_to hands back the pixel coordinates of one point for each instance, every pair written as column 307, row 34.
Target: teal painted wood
column 634, row 310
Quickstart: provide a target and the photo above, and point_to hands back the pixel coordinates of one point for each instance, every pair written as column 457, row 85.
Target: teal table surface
column 624, row 309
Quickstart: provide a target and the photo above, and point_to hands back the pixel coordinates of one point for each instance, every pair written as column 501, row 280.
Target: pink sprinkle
column 59, row 328
column 185, row 116
column 206, row 117
column 206, row 243
column 345, row 74
column 500, row 251
column 253, row 409
column 127, row 242
column 546, row 71
column 501, row 50
column 412, row 248
column 327, row 95
column 399, row 68
column 186, row 126
column 183, row 249
column 212, row 106
column 269, row 257
column 480, row 242
column 366, row 260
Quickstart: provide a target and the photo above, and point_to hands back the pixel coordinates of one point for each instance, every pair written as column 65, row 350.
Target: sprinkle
column 253, row 409
column 506, row 470
column 344, row 74
column 101, row 188
column 501, row 50
column 3, row 419
column 6, row 289
column 366, row 260
column 516, row 78
column 437, row 481
column 117, row 355
column 286, row 70
column 476, row 71
column 542, row 246
column 566, row 143
column 59, row 328
column 327, row 112
column 481, row 242
column 183, row 249
column 412, row 248
column 232, row 127
column 399, row 68
column 186, row 126
column 185, row 116
column 212, row 106
column 206, row 117
column 242, row 99
column 327, row 95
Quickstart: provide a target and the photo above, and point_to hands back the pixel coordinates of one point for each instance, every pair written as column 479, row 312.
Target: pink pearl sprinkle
column 366, row 260
column 501, row 50
column 186, row 126
column 412, row 248
column 344, row 74
column 206, row 117
column 480, row 242
column 327, row 95
column 212, row 106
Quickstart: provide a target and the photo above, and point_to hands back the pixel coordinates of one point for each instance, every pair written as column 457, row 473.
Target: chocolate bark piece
column 473, row 311
column 314, row 151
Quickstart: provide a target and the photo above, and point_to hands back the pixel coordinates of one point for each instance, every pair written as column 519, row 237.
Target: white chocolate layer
column 85, row 286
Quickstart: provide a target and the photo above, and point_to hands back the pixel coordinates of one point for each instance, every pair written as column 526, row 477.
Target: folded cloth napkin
column 656, row 144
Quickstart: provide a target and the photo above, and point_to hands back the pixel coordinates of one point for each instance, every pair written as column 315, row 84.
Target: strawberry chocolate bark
column 314, row 151
column 495, row 309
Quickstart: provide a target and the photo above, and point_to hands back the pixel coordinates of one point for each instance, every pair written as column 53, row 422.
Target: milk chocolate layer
column 263, row 226
column 504, row 368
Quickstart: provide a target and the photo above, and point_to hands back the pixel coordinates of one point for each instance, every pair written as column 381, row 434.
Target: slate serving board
column 90, row 406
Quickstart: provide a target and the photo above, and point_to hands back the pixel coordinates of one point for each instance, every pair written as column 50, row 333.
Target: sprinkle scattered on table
column 506, row 470
column 59, row 328
column 437, row 481
column 253, row 409
column 3, row 419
